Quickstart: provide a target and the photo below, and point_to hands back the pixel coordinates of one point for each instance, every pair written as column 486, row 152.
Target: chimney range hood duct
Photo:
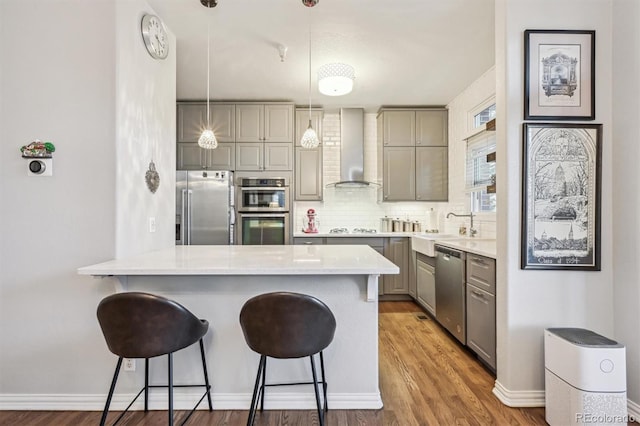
column 351, row 149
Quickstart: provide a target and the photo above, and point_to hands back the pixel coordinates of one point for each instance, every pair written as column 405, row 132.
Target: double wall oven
column 263, row 211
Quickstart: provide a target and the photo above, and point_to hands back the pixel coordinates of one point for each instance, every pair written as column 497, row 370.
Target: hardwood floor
column 425, row 378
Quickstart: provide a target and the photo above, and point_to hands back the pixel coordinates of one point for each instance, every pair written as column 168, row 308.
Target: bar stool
column 287, row 325
column 143, row 325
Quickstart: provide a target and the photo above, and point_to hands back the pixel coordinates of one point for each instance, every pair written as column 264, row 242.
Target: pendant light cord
column 208, row 68
column 309, row 66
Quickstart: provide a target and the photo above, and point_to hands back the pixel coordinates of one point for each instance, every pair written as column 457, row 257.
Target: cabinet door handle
column 418, row 142
column 419, row 197
column 386, row 142
column 386, row 196
column 308, row 243
column 479, row 296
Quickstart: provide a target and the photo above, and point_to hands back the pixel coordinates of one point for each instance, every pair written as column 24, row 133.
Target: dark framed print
column 561, row 196
column 559, row 75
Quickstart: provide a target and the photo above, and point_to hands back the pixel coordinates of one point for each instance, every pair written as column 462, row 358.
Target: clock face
column 155, row 37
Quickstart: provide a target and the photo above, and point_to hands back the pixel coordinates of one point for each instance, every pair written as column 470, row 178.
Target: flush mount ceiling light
column 309, row 138
column 208, row 139
column 335, row 79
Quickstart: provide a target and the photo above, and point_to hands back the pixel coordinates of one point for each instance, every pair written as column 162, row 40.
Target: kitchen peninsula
column 215, row 281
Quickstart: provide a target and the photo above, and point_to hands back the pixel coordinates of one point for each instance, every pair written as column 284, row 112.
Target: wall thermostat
column 40, row 167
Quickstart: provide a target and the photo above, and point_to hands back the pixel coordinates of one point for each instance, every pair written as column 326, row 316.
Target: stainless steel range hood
column 351, row 149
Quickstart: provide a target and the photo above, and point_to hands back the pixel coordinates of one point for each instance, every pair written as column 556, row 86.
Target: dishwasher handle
column 449, row 252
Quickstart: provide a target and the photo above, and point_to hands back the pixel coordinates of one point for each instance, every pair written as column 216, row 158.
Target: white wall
column 626, row 178
column 146, row 131
column 60, row 80
column 529, row 301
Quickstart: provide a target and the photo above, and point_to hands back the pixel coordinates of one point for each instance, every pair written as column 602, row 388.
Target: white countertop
column 250, row 260
column 471, row 245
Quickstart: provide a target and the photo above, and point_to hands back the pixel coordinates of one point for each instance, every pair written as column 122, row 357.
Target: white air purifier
column 585, row 378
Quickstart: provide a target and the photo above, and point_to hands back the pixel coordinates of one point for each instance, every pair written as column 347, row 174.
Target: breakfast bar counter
column 215, row 281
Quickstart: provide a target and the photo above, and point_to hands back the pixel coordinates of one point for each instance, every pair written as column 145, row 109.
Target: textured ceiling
column 405, row 52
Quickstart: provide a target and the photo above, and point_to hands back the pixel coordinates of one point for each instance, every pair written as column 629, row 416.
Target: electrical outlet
column 152, row 224
column 129, row 364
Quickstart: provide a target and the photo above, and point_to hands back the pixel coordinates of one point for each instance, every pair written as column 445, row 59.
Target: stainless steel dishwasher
column 450, row 291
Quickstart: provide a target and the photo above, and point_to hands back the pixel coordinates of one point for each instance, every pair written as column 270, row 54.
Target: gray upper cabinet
column 399, row 128
column 431, row 128
column 432, row 177
column 414, row 154
column 308, row 162
column 264, row 123
column 192, row 120
column 308, row 174
column 265, row 156
column 191, row 157
column 399, row 174
column 278, row 156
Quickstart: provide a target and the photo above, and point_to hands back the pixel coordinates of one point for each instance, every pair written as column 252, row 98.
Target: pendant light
column 208, row 140
column 309, row 138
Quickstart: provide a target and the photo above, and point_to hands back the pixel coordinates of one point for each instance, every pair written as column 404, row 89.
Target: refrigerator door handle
column 189, row 216
column 185, row 220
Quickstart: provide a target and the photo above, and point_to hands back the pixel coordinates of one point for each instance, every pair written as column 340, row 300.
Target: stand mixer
column 310, row 222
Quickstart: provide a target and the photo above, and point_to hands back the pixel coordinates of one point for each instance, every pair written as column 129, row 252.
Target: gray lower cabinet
column 426, row 283
column 481, row 308
column 397, row 251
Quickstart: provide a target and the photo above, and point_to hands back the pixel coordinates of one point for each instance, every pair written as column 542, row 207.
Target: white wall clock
column 155, row 37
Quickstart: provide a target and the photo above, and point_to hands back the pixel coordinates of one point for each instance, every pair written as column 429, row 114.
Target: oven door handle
column 263, row 188
column 265, row 215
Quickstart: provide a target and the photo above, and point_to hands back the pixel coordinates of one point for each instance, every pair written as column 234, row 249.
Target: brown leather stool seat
column 143, row 325
column 287, row 325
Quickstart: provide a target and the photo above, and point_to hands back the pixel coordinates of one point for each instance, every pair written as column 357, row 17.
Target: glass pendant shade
column 309, row 138
column 208, row 140
column 335, row 79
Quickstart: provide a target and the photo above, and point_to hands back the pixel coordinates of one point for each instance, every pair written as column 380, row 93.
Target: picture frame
column 559, row 80
column 561, row 196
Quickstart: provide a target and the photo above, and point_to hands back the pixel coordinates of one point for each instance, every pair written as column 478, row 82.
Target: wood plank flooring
column 426, row 378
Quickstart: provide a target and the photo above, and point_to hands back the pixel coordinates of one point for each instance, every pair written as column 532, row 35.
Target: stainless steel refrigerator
column 204, row 207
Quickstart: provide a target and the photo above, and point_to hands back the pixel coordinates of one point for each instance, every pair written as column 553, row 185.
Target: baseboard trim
column 537, row 399
column 518, row 398
column 185, row 400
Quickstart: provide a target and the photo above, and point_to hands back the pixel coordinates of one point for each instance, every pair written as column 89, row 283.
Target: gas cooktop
column 353, row 231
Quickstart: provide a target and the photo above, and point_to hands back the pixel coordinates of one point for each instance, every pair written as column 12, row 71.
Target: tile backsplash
column 360, row 207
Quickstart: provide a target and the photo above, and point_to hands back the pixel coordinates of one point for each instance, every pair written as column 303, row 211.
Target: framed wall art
column 561, row 196
column 559, row 80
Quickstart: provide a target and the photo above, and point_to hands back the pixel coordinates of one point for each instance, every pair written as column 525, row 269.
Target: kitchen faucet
column 472, row 230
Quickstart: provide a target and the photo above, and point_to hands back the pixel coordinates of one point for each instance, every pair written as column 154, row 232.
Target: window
column 480, row 172
column 484, row 116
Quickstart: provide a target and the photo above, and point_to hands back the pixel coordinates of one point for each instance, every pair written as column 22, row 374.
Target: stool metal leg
column 264, row 376
column 254, row 402
column 315, row 388
column 111, row 389
column 146, row 385
column 206, row 375
column 170, row 386
column 324, row 382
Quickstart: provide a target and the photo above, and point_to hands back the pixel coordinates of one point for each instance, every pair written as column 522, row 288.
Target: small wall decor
column 152, row 178
column 561, row 196
column 38, row 149
column 559, row 79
